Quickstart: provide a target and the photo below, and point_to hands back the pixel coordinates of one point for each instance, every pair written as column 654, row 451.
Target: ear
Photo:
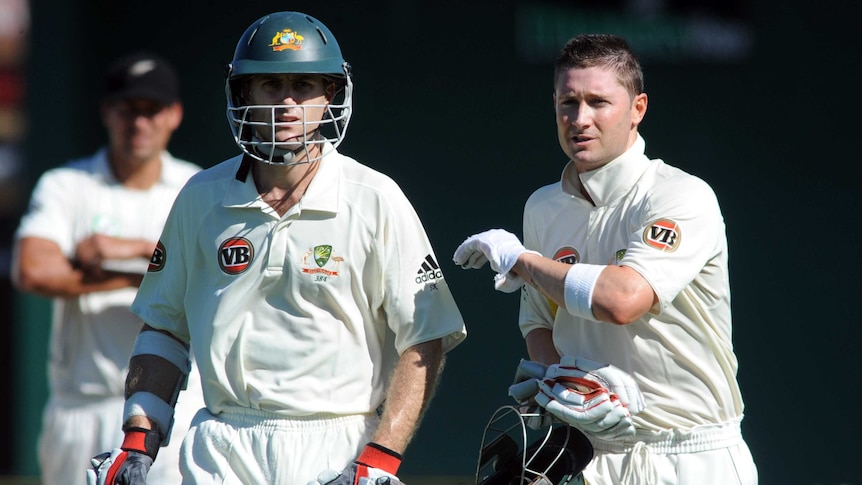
column 176, row 115
column 639, row 107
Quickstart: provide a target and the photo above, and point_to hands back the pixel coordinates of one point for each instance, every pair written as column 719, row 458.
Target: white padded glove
column 524, row 390
column 376, row 465
column 332, row 477
column 586, row 405
column 526, row 383
column 498, row 247
column 612, row 378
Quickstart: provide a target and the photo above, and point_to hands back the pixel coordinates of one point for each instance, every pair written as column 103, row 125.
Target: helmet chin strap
column 289, row 157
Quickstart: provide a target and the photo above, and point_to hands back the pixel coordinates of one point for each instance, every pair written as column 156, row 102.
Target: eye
column 304, row 85
column 271, row 83
column 567, row 102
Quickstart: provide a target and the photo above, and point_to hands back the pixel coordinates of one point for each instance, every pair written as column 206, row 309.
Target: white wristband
column 580, row 283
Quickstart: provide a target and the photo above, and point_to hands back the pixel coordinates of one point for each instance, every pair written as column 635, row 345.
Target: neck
column 135, row 173
column 283, row 186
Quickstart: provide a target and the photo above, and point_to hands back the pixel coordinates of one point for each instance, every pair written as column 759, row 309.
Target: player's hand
column 497, row 247
column 586, row 405
column 119, row 467
column 612, row 378
column 376, row 465
column 525, row 386
column 524, row 389
column 129, row 464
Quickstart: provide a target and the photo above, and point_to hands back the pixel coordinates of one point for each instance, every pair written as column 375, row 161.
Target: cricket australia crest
column 322, row 257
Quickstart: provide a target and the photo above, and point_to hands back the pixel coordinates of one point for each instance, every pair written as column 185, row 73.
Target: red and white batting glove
column 376, row 465
column 129, row 464
column 612, row 378
column 586, row 405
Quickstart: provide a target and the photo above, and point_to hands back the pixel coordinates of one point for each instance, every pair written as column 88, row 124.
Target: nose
column 582, row 116
column 288, row 98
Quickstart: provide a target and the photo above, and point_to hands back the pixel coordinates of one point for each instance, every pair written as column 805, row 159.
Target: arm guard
column 158, row 371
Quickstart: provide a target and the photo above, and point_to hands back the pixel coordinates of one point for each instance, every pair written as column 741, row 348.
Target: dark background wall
column 453, row 100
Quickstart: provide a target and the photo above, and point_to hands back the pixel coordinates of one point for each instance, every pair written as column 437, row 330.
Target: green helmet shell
column 287, row 42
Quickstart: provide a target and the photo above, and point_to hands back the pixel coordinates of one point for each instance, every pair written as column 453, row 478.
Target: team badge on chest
column 321, row 256
column 235, row 255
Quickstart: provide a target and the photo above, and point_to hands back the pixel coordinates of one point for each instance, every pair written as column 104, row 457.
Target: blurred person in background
column 85, row 241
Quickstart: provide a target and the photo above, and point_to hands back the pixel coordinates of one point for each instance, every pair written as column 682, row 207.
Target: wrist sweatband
column 380, row 457
column 142, row 440
column 580, row 284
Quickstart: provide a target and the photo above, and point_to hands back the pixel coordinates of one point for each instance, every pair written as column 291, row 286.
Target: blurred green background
column 453, row 100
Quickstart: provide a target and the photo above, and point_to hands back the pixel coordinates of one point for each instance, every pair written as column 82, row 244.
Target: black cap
column 142, row 75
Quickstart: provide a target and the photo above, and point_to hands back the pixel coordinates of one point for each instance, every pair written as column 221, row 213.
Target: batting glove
column 499, row 248
column 586, row 405
column 129, row 464
column 524, row 390
column 376, row 465
column 612, row 378
column 526, row 382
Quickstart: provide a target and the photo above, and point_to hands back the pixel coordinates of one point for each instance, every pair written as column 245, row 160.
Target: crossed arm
column 41, row 267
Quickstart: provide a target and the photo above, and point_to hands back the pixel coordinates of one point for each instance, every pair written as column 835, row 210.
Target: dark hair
column 602, row 50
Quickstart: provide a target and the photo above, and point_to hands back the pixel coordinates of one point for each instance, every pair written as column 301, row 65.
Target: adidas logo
column 428, row 271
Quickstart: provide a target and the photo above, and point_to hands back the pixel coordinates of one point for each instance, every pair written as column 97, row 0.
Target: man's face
column 299, row 102
column 596, row 117
column 140, row 129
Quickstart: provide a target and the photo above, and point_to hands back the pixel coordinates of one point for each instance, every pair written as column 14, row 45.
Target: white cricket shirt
column 303, row 313
column 92, row 335
column 665, row 224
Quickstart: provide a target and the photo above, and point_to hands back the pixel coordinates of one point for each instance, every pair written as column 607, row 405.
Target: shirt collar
column 611, row 181
column 320, row 195
column 322, row 192
column 103, row 167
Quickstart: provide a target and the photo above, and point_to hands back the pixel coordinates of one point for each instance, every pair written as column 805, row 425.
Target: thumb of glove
column 324, row 477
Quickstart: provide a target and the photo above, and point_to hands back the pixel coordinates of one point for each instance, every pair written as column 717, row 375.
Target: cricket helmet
column 512, row 453
column 287, row 43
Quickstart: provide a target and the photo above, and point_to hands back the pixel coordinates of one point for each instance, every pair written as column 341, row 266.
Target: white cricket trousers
column 706, row 455
column 242, row 446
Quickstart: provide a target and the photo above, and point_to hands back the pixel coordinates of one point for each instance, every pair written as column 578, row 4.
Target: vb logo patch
column 235, row 255
column 663, row 234
column 568, row 255
column 157, row 261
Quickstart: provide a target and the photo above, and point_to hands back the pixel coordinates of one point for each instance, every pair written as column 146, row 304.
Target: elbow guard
column 158, row 371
